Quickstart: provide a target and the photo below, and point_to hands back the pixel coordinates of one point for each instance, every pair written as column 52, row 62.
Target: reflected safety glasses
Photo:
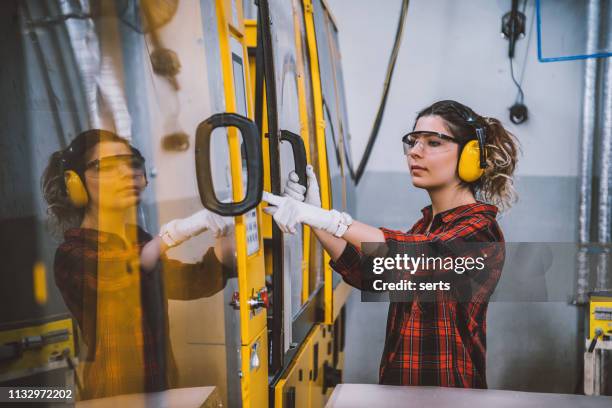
column 430, row 142
column 114, row 166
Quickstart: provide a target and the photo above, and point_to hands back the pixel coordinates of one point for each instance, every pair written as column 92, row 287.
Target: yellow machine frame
column 253, row 328
column 334, row 299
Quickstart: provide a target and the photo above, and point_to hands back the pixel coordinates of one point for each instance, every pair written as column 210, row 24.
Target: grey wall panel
column 533, row 347
column 365, row 338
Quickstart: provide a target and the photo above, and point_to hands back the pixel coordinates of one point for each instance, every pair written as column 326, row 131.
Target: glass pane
column 86, row 246
column 333, row 161
column 220, row 165
column 283, row 36
column 238, row 72
column 315, row 258
column 333, row 128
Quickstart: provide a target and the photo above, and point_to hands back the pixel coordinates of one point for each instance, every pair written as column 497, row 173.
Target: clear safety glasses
column 115, row 166
column 430, row 142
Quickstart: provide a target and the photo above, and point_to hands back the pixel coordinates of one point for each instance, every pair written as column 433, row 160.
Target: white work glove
column 288, row 212
column 296, row 191
column 179, row 230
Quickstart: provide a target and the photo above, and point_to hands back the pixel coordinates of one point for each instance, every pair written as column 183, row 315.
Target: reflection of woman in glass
column 438, row 337
column 113, row 276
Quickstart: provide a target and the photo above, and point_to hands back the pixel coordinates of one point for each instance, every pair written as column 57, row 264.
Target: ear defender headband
column 473, row 159
column 73, row 166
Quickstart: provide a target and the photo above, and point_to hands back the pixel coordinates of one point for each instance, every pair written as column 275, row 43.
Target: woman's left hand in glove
column 177, row 231
column 295, row 190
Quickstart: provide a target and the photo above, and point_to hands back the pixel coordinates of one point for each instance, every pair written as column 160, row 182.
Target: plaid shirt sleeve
column 349, row 265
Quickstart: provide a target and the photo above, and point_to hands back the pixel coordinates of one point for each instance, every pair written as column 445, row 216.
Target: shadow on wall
column 531, row 347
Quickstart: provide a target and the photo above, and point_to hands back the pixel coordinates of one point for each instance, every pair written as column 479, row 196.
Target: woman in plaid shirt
column 436, row 337
column 114, row 276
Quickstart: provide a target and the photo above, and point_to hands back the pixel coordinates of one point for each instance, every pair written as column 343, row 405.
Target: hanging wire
column 520, row 97
column 383, row 102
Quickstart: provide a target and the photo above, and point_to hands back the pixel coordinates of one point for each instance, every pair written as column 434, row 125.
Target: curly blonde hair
column 497, row 183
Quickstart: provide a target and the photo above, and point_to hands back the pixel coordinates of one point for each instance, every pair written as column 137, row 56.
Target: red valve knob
column 263, row 295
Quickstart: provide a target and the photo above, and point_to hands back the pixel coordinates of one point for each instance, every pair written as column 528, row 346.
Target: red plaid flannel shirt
column 77, row 266
column 441, row 341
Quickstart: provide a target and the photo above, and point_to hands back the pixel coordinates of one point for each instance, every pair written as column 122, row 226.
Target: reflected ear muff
column 469, row 162
column 75, row 189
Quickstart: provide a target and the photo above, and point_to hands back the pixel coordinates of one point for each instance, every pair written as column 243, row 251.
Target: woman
column 438, row 337
column 114, row 276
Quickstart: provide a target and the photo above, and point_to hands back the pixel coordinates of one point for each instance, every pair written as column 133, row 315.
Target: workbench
column 389, row 396
column 194, row 397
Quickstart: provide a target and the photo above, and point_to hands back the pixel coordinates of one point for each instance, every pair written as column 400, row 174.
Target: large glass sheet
column 283, row 43
column 344, row 128
column 333, row 131
column 146, row 322
column 238, row 71
column 201, row 330
column 315, row 258
column 334, row 162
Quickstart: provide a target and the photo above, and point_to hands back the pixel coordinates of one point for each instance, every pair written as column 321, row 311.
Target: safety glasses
column 114, row 166
column 430, row 142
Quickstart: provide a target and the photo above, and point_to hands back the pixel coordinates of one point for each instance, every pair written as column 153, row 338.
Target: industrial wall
column 454, row 50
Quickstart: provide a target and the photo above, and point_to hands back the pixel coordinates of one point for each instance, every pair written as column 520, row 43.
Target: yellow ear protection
column 472, row 159
column 75, row 189
column 73, row 183
column 73, row 169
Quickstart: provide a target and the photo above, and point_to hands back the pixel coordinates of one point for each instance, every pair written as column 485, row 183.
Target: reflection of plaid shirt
column 122, row 310
column 443, row 341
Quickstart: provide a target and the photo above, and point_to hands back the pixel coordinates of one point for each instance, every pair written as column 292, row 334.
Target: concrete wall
column 453, row 50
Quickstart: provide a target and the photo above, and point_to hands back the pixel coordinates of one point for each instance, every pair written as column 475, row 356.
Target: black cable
column 383, row 102
column 521, row 95
column 529, row 34
column 518, row 111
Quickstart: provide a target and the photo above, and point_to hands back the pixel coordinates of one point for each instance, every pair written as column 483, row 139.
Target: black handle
column 593, row 343
column 290, row 398
column 299, row 154
column 331, row 377
column 252, row 144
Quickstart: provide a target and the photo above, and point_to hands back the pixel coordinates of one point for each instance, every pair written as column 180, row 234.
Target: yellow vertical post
column 324, row 182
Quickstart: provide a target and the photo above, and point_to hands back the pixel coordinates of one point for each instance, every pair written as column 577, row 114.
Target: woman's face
column 432, row 162
column 111, row 180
